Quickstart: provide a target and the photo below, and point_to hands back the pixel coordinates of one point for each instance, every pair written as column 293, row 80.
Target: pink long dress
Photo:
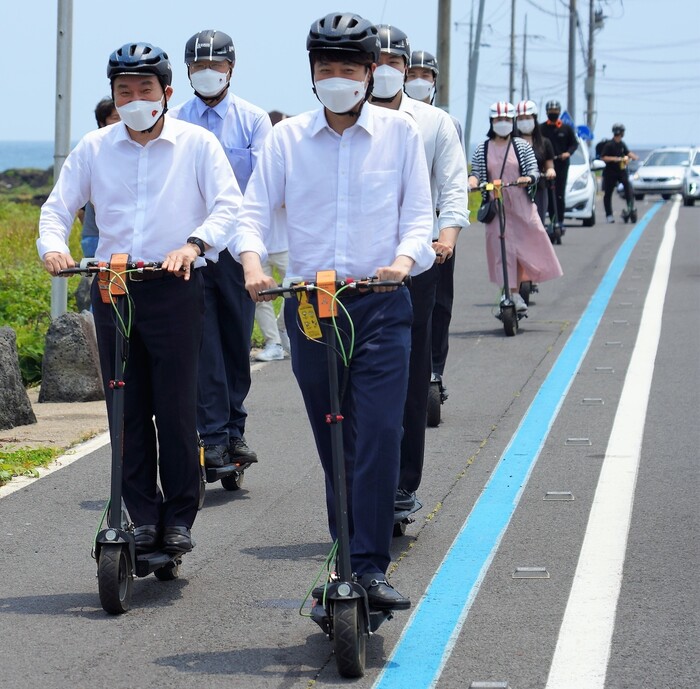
column 527, row 243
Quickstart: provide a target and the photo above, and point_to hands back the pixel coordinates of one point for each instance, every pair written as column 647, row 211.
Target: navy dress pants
column 372, row 407
column 161, row 382
column 224, row 367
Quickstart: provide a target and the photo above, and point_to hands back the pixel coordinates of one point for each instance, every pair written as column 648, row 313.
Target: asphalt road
column 231, row 619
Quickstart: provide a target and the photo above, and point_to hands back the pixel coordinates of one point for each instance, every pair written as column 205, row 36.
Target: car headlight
column 580, row 183
column 635, row 176
column 674, row 179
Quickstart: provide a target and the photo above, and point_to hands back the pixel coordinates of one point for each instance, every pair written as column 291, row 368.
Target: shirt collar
column 365, row 120
column 167, row 133
column 220, row 108
column 407, row 105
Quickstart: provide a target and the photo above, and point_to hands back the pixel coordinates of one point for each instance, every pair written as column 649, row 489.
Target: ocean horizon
column 26, row 154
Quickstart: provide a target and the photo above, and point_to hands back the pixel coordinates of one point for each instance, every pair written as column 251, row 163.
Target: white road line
column 64, row 460
column 583, row 648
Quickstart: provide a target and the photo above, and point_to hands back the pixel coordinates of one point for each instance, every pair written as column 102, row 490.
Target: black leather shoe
column 240, row 453
column 177, row 539
column 215, row 456
column 405, row 501
column 146, row 538
column 381, row 595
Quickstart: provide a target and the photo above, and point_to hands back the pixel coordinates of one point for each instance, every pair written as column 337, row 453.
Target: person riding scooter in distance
column 616, row 156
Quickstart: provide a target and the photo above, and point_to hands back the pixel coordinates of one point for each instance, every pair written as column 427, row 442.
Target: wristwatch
column 198, row 243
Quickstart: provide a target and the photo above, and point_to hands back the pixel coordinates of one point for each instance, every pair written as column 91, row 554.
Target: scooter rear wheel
column 510, row 320
column 349, row 637
column 170, row 572
column 434, row 402
column 114, row 578
column 233, row 481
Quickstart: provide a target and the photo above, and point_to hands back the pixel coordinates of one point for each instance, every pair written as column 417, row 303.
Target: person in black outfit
column 564, row 143
column 616, row 155
column 528, row 129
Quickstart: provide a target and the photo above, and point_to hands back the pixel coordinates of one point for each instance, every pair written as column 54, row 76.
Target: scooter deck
column 322, row 617
column 403, row 515
column 213, row 474
column 150, row 562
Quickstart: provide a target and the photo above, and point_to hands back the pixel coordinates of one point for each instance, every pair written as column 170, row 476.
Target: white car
column 691, row 181
column 581, row 186
column 662, row 172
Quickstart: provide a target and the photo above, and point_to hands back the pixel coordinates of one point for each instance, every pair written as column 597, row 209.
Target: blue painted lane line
column 433, row 629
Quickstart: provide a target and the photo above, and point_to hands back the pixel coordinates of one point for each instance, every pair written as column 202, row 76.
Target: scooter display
column 114, row 547
column 507, row 312
column 340, row 606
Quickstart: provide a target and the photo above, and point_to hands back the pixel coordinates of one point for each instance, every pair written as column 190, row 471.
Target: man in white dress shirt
column 354, row 184
column 163, row 190
column 449, row 183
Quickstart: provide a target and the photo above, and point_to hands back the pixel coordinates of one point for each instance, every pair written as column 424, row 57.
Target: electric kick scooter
column 114, row 547
column 553, row 228
column 340, row 607
column 507, row 312
column 231, row 475
column 629, row 214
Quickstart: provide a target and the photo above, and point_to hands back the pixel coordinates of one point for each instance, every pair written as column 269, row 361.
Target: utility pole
column 511, row 83
column 473, row 69
column 64, row 59
column 442, row 97
column 571, row 96
column 525, row 87
column 590, row 77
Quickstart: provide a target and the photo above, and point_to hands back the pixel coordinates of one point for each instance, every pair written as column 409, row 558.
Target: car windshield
column 664, row 158
column 577, row 157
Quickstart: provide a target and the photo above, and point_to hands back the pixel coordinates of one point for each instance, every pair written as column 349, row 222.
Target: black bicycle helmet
column 422, row 58
column 210, row 45
column 140, row 58
column 344, row 31
column 394, row 41
column 618, row 128
column 553, row 105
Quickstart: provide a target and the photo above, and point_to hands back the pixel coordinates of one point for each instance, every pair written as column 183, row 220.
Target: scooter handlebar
column 91, row 266
column 351, row 283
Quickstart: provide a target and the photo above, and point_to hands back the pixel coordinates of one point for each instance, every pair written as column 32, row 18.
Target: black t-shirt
column 563, row 137
column 543, row 153
column 617, row 149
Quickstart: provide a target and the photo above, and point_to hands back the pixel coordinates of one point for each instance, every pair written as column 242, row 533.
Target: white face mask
column 420, row 89
column 209, row 82
column 526, row 126
column 503, row 128
column 141, row 115
column 340, row 95
column 387, row 81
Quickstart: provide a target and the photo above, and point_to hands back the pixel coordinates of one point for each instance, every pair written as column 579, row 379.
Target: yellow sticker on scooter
column 308, row 319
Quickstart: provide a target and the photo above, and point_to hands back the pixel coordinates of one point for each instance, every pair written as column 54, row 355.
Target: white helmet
column 525, row 107
column 502, row 109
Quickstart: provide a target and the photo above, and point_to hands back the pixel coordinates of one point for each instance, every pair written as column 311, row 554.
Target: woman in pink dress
column 529, row 252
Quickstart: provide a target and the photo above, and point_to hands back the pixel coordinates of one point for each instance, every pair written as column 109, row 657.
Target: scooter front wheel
column 349, row 637
column 434, row 402
column 115, row 578
column 510, row 320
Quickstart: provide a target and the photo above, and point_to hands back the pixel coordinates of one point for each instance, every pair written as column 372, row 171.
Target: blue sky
column 647, row 57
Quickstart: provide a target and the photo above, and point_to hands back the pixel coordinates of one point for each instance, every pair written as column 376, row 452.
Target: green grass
column 24, row 462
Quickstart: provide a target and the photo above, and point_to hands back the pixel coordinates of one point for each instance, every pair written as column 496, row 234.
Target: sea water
column 26, row 154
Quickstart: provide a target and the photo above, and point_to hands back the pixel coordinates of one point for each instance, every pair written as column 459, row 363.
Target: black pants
column 442, row 313
column 224, row 371
column 610, row 182
column 161, row 382
column 561, row 167
column 415, row 413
